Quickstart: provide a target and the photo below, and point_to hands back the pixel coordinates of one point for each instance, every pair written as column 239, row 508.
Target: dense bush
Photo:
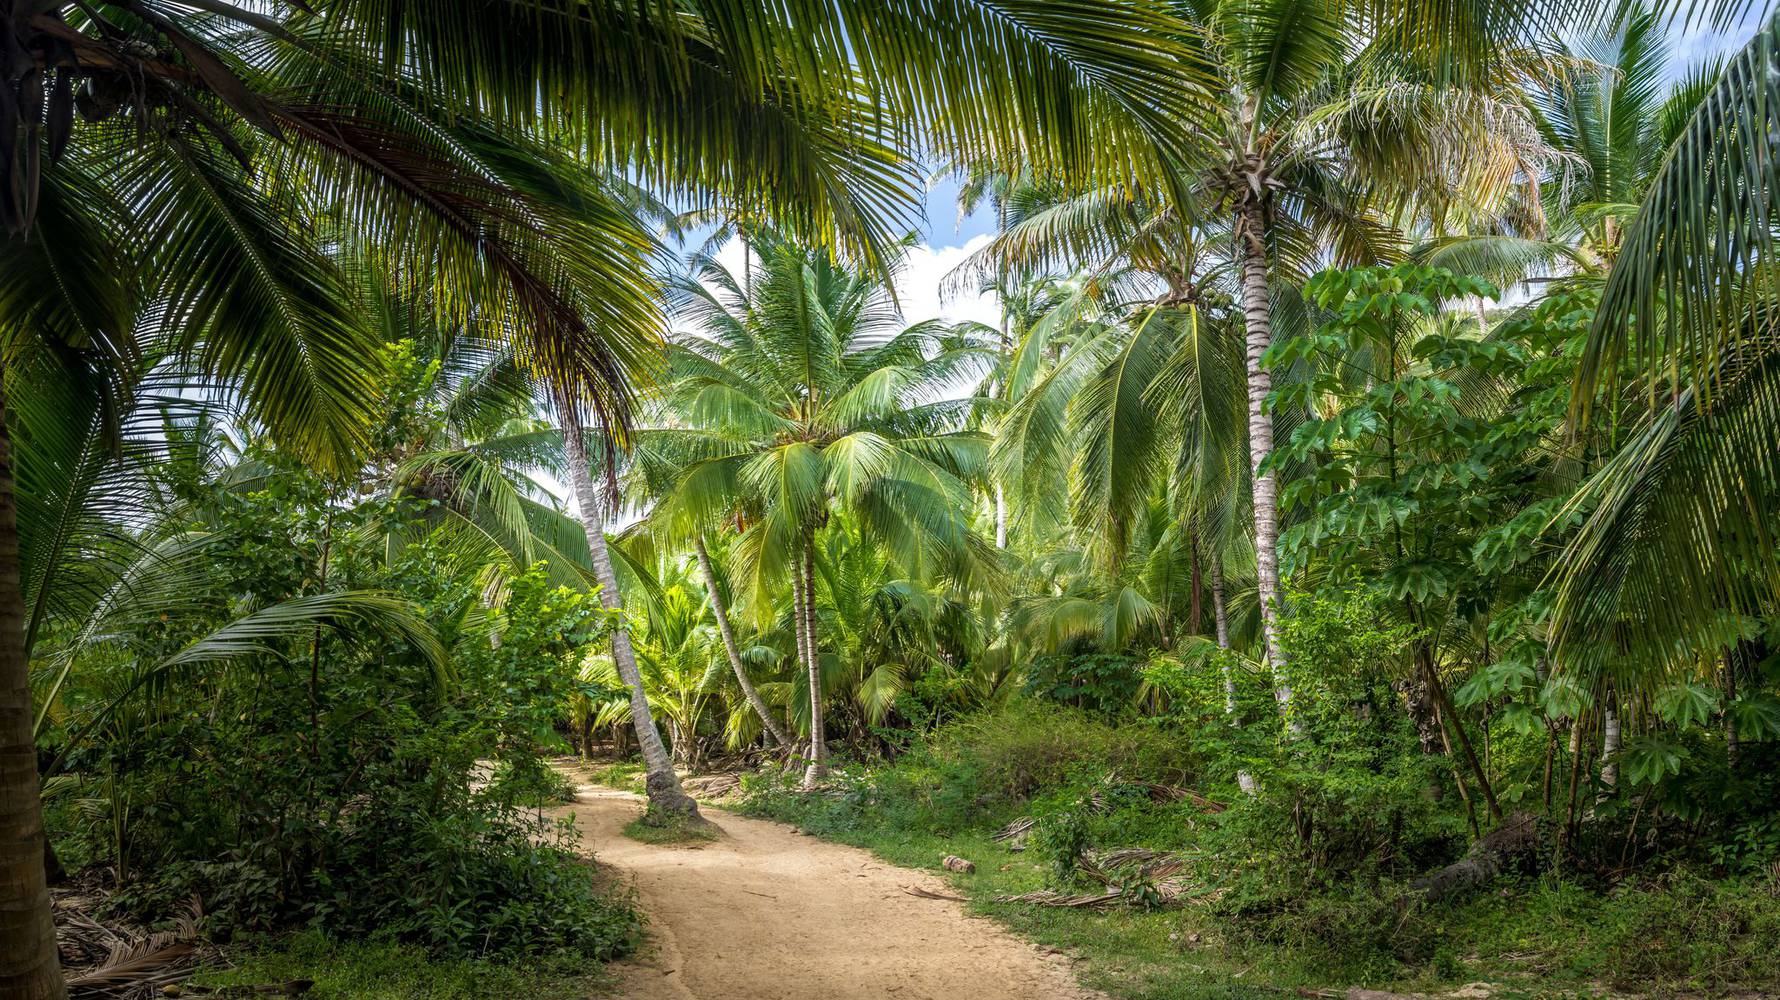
column 343, row 781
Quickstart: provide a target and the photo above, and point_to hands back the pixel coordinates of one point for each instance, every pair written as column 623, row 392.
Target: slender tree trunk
column 1196, row 606
column 818, row 767
column 29, row 965
column 799, row 624
column 1458, row 777
column 666, row 797
column 1450, row 719
column 1221, row 622
column 1733, row 742
column 1258, row 319
column 729, row 646
column 1610, row 743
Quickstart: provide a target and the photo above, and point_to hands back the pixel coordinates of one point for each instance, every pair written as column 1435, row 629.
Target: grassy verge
column 671, row 834
column 623, row 775
column 1674, row 934
column 387, row 971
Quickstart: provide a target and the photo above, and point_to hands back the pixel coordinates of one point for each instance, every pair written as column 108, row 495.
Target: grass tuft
column 672, row 832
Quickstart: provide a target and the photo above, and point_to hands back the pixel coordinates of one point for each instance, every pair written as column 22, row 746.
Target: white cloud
column 923, row 280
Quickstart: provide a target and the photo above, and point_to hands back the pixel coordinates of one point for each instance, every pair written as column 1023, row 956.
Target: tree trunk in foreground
column 818, row 767
column 729, row 646
column 30, row 968
column 1258, row 320
column 666, row 798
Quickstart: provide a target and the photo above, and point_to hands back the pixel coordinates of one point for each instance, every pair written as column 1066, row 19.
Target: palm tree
column 1672, row 548
column 803, row 398
column 1323, row 118
column 393, row 108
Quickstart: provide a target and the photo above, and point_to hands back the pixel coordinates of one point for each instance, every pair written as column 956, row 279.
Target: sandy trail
column 767, row 914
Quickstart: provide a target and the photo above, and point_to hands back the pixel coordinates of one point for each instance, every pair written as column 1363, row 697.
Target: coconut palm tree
column 804, row 398
column 1673, row 548
column 127, row 128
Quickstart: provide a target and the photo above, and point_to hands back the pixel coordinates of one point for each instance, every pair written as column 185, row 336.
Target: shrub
column 337, row 781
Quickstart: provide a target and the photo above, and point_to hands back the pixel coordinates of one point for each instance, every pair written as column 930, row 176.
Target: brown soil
column 763, row 913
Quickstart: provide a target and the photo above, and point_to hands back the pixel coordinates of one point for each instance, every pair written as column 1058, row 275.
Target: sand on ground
column 764, row 913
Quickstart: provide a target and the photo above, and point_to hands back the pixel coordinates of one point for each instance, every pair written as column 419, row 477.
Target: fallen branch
column 1045, row 897
column 1517, row 838
column 915, row 890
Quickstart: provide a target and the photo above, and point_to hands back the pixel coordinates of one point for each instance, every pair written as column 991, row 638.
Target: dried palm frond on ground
column 1014, row 834
column 118, row 961
column 714, row 788
column 1135, row 876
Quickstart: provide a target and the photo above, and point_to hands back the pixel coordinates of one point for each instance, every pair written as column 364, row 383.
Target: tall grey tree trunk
column 818, row 766
column 729, row 646
column 666, row 798
column 30, row 967
column 1257, row 314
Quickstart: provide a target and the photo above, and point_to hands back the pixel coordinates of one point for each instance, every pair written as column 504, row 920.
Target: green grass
column 672, row 834
column 1538, row 938
column 1125, row 953
column 624, row 775
column 388, row 971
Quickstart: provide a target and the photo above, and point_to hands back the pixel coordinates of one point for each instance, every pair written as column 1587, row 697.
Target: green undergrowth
column 625, row 775
column 673, row 833
column 392, row 971
column 1262, row 921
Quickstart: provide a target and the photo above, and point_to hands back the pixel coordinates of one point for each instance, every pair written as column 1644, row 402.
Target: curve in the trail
column 764, row 913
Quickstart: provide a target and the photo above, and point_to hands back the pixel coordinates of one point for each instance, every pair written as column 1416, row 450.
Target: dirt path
column 767, row 914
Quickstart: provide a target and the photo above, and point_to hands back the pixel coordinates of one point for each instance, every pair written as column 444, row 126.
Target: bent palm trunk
column 29, row 966
column 666, row 797
column 729, row 647
column 1258, row 320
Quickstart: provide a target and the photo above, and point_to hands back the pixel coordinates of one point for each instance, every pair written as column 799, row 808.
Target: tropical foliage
column 1381, row 422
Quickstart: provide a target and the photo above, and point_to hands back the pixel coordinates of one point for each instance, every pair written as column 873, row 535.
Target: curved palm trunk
column 818, row 767
column 666, row 798
column 729, row 646
column 1258, row 320
column 29, row 966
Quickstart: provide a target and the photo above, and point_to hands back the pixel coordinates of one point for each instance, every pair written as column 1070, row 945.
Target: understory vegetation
column 1334, row 903
column 1340, row 550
